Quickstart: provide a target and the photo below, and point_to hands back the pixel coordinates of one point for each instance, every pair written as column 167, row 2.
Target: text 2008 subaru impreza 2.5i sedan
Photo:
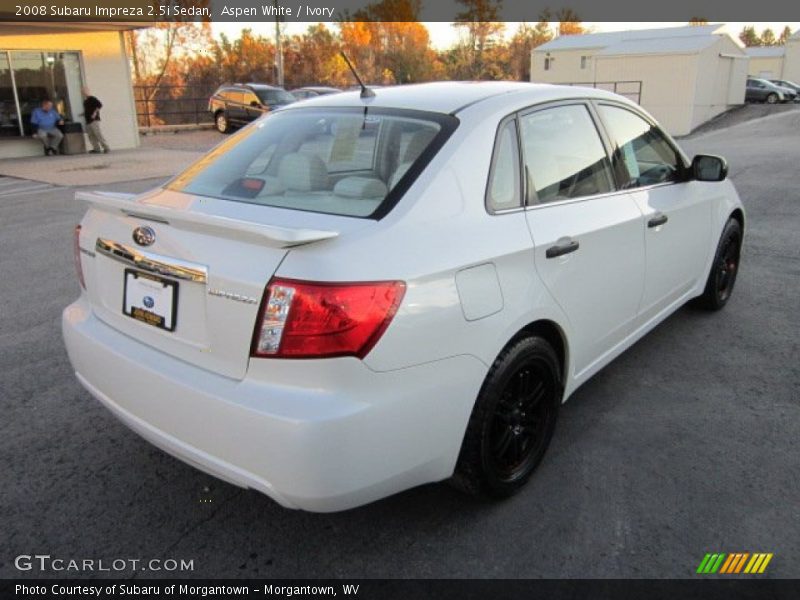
column 357, row 295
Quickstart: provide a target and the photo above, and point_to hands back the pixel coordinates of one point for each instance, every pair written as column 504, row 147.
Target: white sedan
column 354, row 296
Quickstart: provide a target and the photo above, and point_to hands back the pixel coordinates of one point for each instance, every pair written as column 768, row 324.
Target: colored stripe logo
column 734, row 564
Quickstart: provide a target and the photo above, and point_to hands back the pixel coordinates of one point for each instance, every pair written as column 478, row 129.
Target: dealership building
column 683, row 76
column 55, row 60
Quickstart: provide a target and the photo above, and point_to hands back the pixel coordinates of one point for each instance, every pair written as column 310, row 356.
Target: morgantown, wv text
column 278, row 10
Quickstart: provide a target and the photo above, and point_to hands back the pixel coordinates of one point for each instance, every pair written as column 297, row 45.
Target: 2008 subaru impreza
column 357, row 295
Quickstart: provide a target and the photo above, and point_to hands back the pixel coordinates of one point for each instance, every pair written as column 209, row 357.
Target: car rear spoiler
column 272, row 235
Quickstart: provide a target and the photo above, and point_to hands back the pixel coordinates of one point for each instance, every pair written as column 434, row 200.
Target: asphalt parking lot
column 687, row 444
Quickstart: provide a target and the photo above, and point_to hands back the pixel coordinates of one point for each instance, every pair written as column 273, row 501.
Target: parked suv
column 238, row 104
column 761, row 90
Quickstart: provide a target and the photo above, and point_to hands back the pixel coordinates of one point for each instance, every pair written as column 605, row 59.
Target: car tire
column 722, row 277
column 772, row 98
column 513, row 420
column 221, row 122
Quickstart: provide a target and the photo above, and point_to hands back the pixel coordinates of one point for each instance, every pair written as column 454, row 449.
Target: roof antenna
column 365, row 91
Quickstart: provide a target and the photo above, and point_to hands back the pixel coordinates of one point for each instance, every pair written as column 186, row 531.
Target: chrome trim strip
column 233, row 296
column 152, row 263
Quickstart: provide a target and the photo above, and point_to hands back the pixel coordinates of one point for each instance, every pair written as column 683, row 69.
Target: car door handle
column 658, row 219
column 562, row 249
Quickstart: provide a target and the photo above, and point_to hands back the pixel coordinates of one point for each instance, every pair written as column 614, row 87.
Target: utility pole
column 278, row 47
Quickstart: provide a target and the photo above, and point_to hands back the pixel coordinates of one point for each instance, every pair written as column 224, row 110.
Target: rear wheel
column 724, row 269
column 221, row 122
column 772, row 98
column 513, row 420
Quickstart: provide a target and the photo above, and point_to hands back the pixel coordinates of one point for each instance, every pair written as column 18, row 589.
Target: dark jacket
column 91, row 109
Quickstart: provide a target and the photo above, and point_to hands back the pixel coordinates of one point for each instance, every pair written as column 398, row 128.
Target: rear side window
column 234, row 96
column 503, row 190
column 339, row 161
column 273, row 97
column 642, row 154
column 563, row 154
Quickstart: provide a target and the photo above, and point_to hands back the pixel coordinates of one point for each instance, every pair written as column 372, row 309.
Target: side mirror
column 255, row 104
column 706, row 167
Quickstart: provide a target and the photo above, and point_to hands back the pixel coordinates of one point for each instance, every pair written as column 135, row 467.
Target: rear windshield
column 349, row 162
column 271, row 97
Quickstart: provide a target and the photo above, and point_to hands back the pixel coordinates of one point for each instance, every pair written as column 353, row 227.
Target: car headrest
column 418, row 142
column 303, row 173
column 398, row 174
column 360, row 187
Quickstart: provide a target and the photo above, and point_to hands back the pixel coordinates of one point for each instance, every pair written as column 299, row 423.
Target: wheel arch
column 738, row 215
column 554, row 334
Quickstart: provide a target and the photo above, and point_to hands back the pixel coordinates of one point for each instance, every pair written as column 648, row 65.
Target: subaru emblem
column 144, row 235
column 148, row 301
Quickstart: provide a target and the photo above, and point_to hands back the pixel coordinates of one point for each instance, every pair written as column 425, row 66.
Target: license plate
column 150, row 299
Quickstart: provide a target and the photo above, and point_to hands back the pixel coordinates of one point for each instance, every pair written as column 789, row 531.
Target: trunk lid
column 201, row 277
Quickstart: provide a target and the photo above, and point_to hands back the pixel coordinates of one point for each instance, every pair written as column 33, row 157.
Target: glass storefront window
column 36, row 76
column 9, row 120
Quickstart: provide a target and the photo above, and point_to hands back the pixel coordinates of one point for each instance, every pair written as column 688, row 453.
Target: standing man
column 91, row 112
column 45, row 120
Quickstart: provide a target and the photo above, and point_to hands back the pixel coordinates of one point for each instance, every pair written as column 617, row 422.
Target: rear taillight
column 301, row 319
column 76, row 253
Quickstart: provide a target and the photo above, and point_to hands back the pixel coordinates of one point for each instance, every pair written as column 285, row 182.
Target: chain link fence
column 169, row 105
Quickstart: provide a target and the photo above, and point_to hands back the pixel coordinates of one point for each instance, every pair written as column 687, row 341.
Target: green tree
column 569, row 23
column 749, row 37
column 768, row 37
column 524, row 40
column 481, row 30
column 785, row 35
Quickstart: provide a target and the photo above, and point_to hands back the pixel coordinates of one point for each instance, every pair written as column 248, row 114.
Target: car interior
column 340, row 163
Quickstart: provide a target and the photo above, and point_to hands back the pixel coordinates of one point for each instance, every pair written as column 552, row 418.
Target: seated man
column 45, row 121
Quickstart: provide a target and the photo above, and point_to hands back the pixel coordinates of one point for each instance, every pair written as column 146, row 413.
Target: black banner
column 313, row 11
column 440, row 589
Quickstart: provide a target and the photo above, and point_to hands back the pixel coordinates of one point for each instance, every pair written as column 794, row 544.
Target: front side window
column 250, row 99
column 563, row 155
column 503, row 191
column 336, row 161
column 27, row 78
column 642, row 154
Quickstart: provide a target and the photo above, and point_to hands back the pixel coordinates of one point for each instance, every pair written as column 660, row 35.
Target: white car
column 354, row 296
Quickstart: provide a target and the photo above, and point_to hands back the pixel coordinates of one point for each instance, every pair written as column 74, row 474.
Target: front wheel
column 721, row 279
column 513, row 420
column 772, row 98
column 221, row 122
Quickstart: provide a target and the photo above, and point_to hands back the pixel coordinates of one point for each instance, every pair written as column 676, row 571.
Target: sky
column 444, row 35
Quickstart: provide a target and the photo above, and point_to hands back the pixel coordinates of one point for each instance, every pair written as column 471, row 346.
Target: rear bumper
column 320, row 435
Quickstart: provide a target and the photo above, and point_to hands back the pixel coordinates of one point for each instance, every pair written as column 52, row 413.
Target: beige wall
column 566, row 68
column 721, row 80
column 105, row 70
column 680, row 90
column 668, row 84
column 791, row 68
column 769, row 67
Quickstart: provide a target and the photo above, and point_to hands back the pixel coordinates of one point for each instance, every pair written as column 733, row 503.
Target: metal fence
column 172, row 104
column 632, row 90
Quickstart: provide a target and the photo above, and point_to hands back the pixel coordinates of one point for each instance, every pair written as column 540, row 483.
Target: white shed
column 776, row 62
column 684, row 76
